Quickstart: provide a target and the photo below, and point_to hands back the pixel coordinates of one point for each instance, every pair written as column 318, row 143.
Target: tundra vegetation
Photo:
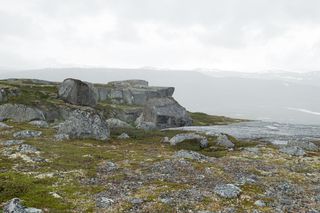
column 95, row 170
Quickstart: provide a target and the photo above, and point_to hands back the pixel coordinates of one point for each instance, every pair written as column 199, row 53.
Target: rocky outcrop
column 77, row 92
column 20, row 113
column 223, row 140
column 132, row 92
column 166, row 113
column 85, row 124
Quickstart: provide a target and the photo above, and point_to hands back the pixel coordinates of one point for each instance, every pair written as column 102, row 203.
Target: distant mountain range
column 273, row 96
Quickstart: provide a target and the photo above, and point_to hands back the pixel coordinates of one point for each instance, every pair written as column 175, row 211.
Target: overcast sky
column 243, row 35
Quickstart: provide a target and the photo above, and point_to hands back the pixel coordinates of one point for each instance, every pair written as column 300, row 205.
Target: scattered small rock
column 227, row 191
column 124, row 136
column 12, row 142
column 293, row 150
column 224, row 141
column 107, row 166
column 190, row 155
column 27, row 134
column 39, row 124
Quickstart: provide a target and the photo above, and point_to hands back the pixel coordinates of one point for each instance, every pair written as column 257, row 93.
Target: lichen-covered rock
column 39, row 124
column 203, row 142
column 293, row 150
column 77, row 92
column 15, row 206
column 85, row 124
column 227, row 190
column 166, row 113
column 224, row 141
column 27, row 149
column 116, row 123
column 27, row 134
column 61, row 137
column 20, row 113
column 12, row 142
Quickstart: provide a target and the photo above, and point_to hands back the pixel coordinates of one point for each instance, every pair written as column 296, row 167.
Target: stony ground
column 143, row 174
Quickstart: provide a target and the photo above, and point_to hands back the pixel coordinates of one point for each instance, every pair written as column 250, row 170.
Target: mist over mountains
column 273, row 96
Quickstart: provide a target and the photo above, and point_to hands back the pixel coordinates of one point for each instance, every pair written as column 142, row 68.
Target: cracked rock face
column 166, row 113
column 20, row 113
column 82, row 124
column 77, row 92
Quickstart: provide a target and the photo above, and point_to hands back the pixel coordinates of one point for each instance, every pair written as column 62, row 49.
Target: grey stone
column 203, row 142
column 104, row 202
column 61, row 137
column 27, row 149
column 12, row 142
column 190, row 155
column 107, row 166
column 227, row 190
column 136, row 201
column 15, row 206
column 165, row 140
column 40, row 124
column 166, row 113
column 20, row 113
column 116, row 123
column 260, row 203
column 124, row 136
column 27, row 134
column 77, row 92
column 85, row 124
column 224, row 141
column 293, row 150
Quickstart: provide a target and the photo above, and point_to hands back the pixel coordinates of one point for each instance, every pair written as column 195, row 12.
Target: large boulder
column 166, row 113
column 179, row 138
column 85, row 124
column 20, row 113
column 77, row 92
